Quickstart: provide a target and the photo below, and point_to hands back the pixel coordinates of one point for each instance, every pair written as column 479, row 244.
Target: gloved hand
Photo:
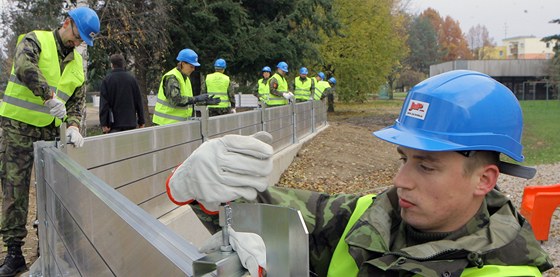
column 288, row 95
column 206, row 99
column 222, row 170
column 250, row 248
column 232, row 110
column 57, row 108
column 74, row 136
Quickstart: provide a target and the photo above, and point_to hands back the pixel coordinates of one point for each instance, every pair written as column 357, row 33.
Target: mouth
column 405, row 204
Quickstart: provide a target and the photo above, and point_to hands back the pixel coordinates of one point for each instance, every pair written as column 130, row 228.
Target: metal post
column 313, row 120
column 294, row 123
column 204, row 115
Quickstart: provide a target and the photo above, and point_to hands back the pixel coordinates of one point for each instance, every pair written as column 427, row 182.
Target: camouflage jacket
column 26, row 69
column 379, row 244
column 172, row 91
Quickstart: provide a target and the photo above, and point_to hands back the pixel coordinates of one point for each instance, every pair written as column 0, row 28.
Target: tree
column 451, row 39
column 368, row 48
column 479, row 40
column 423, row 44
column 554, row 65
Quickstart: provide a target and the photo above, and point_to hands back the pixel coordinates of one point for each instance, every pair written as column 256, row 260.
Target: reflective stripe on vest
column 274, row 100
column 164, row 112
column 19, row 102
column 320, row 89
column 303, row 89
column 217, row 83
column 343, row 264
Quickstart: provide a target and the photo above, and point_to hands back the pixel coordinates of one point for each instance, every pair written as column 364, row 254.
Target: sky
column 502, row 18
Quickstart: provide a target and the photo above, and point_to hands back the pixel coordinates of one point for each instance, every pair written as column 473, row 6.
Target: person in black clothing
column 120, row 105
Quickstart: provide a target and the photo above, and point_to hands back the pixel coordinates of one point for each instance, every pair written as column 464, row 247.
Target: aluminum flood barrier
column 103, row 208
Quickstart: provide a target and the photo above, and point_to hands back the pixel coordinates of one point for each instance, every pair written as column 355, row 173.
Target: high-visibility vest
column 264, row 89
column 217, row 84
column 274, row 100
column 343, row 264
column 320, row 89
column 166, row 113
column 19, row 102
column 303, row 88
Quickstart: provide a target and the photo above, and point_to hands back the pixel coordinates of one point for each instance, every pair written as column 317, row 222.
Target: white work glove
column 74, row 136
column 250, row 248
column 57, row 108
column 288, row 95
column 232, row 110
column 222, row 170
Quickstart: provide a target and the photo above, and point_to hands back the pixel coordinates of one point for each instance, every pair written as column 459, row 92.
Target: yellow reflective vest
column 273, row 100
column 19, row 102
column 264, row 89
column 217, row 84
column 343, row 264
column 320, row 89
column 166, row 113
column 303, row 88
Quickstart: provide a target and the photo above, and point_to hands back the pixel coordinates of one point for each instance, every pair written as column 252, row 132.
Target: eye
column 426, row 168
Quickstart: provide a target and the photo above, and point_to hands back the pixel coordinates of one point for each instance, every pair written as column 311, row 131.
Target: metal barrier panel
column 278, row 121
column 303, row 119
column 86, row 229
column 243, row 123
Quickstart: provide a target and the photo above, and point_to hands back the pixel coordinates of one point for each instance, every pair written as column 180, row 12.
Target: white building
column 528, row 47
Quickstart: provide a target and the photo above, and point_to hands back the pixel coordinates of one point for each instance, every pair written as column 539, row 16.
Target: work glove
column 206, row 99
column 74, row 136
column 232, row 110
column 288, row 95
column 222, row 170
column 56, row 107
column 250, row 248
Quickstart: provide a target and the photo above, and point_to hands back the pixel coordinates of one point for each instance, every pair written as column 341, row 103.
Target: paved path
column 92, row 115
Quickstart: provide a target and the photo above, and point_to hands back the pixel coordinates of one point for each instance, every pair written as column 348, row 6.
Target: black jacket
column 120, row 95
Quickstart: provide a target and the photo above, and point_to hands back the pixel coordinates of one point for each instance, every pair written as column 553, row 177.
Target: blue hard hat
column 457, row 111
column 332, row 80
column 266, row 69
column 283, row 66
column 220, row 63
column 322, row 75
column 303, row 70
column 189, row 56
column 87, row 23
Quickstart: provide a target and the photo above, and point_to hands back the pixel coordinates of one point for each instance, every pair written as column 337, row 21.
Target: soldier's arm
column 172, row 91
column 273, row 86
column 231, row 95
column 75, row 106
column 26, row 66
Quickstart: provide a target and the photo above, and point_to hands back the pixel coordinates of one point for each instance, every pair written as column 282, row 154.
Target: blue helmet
column 458, row 111
column 322, row 75
column 283, row 66
column 87, row 23
column 189, row 56
column 332, row 80
column 266, row 69
column 303, row 71
column 220, row 63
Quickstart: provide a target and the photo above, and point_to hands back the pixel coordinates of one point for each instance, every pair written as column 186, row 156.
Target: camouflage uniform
column 172, row 91
column 16, row 143
column 383, row 245
column 221, row 111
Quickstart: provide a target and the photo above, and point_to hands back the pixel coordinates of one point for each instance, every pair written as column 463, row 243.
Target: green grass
column 541, row 132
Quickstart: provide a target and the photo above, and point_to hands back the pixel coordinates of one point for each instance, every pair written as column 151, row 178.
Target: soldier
column 443, row 216
column 279, row 94
column 219, row 85
column 175, row 95
column 303, row 86
column 263, row 89
column 45, row 89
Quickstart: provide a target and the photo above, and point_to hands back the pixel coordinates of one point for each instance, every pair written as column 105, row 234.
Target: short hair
column 117, row 60
column 480, row 158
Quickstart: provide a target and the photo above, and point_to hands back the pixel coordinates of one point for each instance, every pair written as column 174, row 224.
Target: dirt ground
column 344, row 158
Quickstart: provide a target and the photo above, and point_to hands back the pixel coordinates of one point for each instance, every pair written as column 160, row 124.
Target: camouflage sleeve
column 231, row 95
column 172, row 91
column 26, row 66
column 75, row 107
column 312, row 89
column 273, row 86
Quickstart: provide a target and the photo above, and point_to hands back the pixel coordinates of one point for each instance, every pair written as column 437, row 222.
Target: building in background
column 528, row 47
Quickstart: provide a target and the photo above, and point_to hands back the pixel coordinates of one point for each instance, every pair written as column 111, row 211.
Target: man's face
column 187, row 68
column 303, row 76
column 70, row 35
column 434, row 193
column 266, row 74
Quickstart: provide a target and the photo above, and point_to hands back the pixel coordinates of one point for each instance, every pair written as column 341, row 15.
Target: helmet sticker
column 417, row 109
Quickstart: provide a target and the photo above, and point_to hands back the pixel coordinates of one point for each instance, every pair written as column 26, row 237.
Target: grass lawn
column 541, row 133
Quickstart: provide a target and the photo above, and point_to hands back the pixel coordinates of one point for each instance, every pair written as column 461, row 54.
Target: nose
column 403, row 178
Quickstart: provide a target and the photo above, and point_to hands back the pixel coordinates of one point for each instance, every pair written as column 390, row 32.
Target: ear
column 487, row 179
